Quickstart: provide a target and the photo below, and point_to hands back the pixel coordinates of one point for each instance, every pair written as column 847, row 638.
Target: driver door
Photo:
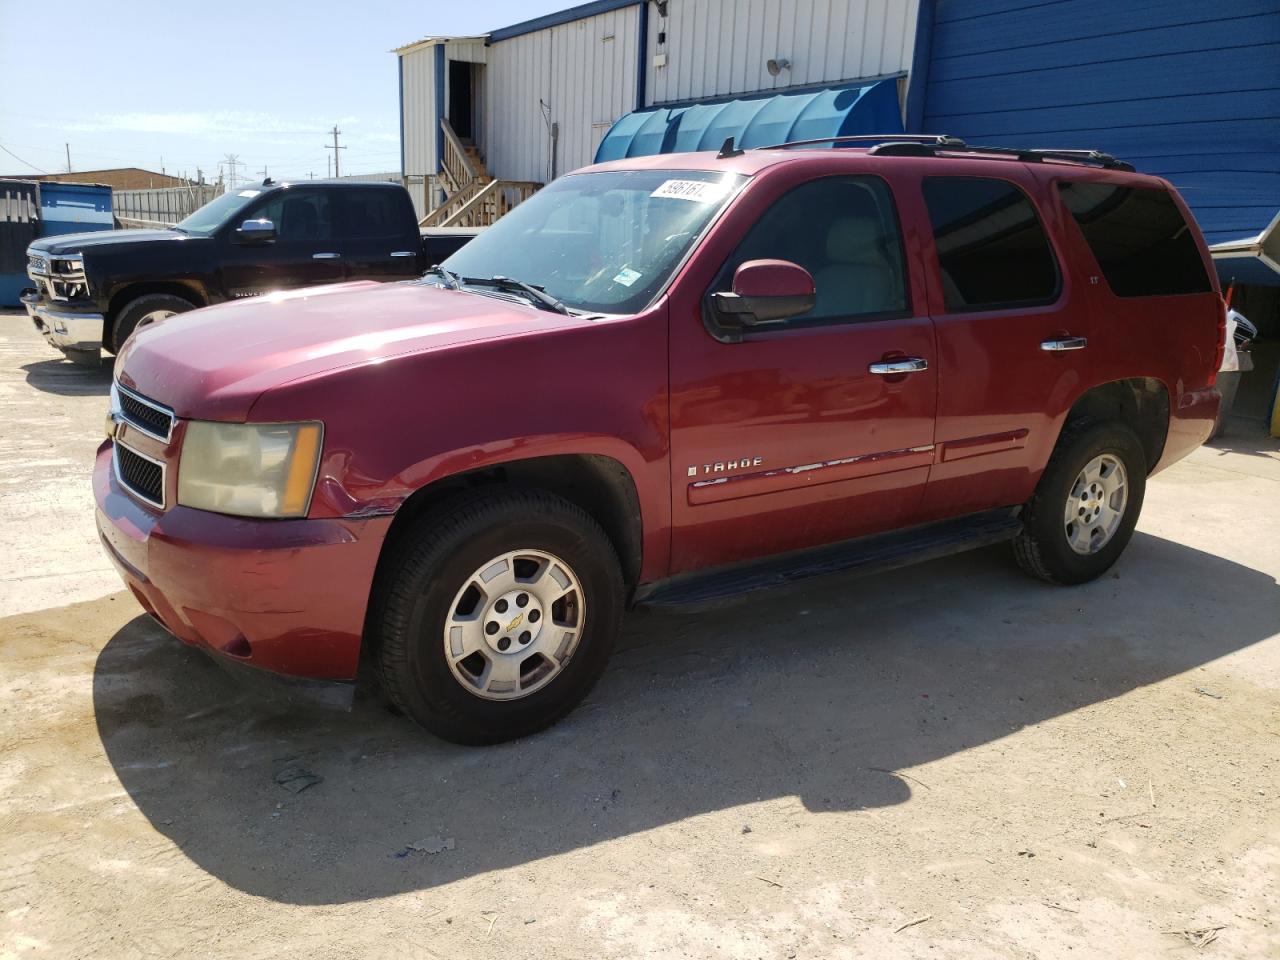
column 306, row 250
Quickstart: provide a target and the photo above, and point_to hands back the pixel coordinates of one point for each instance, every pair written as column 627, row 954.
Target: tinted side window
column 992, row 250
column 299, row 215
column 844, row 231
column 373, row 214
column 1139, row 238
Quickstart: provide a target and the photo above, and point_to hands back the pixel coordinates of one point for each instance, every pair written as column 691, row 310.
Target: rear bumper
column 64, row 329
column 1191, row 423
column 286, row 596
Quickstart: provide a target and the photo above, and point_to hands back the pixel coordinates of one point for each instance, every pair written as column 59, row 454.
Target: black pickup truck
column 91, row 290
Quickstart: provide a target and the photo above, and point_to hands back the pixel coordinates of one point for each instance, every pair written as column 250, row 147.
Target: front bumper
column 64, row 329
column 287, row 596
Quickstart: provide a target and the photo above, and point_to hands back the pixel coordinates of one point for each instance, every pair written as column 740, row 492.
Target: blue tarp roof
column 755, row 121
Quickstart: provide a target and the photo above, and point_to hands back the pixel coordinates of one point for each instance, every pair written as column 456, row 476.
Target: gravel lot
column 946, row 761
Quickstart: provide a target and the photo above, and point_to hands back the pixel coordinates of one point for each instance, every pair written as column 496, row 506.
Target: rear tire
column 1091, row 494
column 149, row 307
column 518, row 677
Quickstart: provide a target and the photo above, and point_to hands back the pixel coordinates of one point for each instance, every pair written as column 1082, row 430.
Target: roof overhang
column 432, row 41
column 1254, row 260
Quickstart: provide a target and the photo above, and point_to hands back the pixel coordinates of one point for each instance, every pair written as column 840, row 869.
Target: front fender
column 399, row 425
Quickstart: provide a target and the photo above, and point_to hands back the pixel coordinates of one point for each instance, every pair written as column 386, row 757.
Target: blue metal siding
column 1181, row 88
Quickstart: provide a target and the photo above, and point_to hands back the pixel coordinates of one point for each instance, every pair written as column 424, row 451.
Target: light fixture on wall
column 775, row 67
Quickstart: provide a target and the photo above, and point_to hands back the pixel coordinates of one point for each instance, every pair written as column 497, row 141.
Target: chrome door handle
column 325, row 256
column 888, row 368
column 1065, row 343
column 403, row 253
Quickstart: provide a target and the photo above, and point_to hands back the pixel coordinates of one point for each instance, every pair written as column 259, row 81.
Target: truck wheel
column 146, row 309
column 1086, row 505
column 497, row 615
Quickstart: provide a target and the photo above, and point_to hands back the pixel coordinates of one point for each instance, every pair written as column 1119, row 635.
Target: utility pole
column 68, row 146
column 263, row 171
column 328, row 167
column 335, row 148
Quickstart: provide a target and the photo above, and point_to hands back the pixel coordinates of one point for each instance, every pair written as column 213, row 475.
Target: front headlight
column 249, row 469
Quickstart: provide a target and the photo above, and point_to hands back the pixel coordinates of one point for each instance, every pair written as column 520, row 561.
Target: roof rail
column 934, row 139
column 914, row 148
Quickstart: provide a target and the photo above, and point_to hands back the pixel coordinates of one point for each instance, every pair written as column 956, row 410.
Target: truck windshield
column 217, row 212
column 601, row 242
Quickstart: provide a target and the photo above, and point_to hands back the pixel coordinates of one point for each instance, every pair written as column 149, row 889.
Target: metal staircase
column 473, row 198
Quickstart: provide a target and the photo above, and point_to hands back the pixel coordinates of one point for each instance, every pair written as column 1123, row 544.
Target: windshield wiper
column 540, row 298
column 450, row 280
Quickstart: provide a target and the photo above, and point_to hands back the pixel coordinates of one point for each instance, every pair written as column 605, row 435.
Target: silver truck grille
column 140, row 475
column 153, row 419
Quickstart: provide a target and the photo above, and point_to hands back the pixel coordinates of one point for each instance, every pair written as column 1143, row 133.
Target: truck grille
column 141, row 476
column 147, row 415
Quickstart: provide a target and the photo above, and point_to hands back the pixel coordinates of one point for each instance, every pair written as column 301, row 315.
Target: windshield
column 217, row 212
column 601, row 242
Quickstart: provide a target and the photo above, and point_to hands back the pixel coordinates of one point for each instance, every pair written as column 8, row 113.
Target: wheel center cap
column 512, row 622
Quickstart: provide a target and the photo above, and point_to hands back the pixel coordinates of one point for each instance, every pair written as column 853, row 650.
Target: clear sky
column 129, row 82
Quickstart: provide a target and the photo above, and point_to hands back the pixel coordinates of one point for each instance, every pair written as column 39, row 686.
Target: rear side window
column 376, row 213
column 992, row 250
column 1139, row 238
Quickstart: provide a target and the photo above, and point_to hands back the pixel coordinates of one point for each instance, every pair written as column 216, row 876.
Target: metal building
column 528, row 102
column 1182, row 88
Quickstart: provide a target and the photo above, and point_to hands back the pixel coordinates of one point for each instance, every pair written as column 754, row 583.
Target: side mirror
column 256, row 231
column 764, row 291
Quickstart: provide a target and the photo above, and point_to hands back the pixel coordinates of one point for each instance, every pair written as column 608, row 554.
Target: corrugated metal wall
column 1182, row 88
column 585, row 71
column 716, row 48
column 420, row 124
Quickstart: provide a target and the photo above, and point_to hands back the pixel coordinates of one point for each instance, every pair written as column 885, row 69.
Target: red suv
column 668, row 379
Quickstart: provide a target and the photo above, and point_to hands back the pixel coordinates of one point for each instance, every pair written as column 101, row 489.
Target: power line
column 20, row 160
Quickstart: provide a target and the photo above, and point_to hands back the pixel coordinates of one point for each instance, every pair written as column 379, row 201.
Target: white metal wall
column 419, row 111
column 716, row 48
column 584, row 71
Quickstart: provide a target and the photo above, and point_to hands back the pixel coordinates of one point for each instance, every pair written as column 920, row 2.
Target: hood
column 212, row 364
column 99, row 239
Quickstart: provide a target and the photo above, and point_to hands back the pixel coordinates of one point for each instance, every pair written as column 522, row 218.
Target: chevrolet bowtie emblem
column 515, row 623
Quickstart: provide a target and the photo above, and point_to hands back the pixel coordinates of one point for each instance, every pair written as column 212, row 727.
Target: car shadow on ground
column 68, row 379
column 820, row 692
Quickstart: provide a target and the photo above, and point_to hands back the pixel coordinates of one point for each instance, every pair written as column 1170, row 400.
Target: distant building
column 118, row 178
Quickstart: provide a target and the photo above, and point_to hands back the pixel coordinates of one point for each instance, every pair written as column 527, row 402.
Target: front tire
column 496, row 615
column 1084, row 510
column 146, row 309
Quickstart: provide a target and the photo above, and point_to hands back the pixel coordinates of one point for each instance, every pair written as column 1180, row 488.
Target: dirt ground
column 946, row 761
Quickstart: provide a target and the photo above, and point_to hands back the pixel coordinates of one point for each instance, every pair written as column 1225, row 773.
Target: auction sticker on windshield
column 699, row 191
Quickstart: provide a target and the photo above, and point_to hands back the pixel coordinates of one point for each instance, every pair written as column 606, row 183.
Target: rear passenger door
column 381, row 237
column 1013, row 331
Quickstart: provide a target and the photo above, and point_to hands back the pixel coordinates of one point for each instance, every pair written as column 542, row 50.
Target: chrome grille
column 146, row 415
column 141, row 476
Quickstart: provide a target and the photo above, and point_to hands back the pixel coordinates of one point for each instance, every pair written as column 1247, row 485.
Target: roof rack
column 934, row 139
column 928, row 145
column 904, row 147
